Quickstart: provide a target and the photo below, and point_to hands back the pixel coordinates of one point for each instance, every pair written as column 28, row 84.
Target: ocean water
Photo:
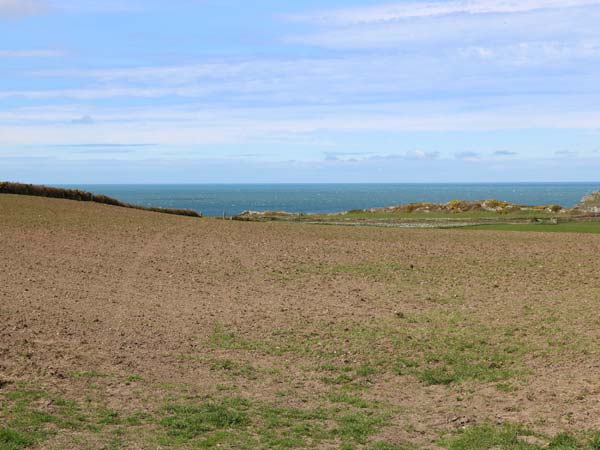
column 216, row 199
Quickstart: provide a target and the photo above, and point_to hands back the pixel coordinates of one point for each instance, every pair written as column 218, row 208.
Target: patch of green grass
column 366, row 370
column 349, row 399
column 464, row 362
column 436, row 215
column 358, row 426
column 228, row 340
column 190, row 421
column 88, row 374
column 387, row 446
column 115, row 443
column 137, row 419
column 339, row 379
column 108, row 417
column 405, row 365
column 515, row 437
column 348, row 375
column 437, row 346
column 569, row 227
column 29, row 421
column 507, row 437
column 375, row 270
column 506, row 387
column 291, row 427
column 223, row 364
column 133, row 379
column 454, row 350
column 234, row 369
column 241, row 423
column 13, row 440
column 224, row 339
column 31, row 415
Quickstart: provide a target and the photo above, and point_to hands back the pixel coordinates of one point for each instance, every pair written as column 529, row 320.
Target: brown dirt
column 88, row 288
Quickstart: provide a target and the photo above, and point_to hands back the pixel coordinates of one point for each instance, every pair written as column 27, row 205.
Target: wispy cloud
column 566, row 153
column 83, row 120
column 460, row 31
column 411, row 10
column 115, row 6
column 31, row 53
column 101, row 145
column 468, row 156
column 455, row 24
column 409, row 155
column 19, row 8
column 505, row 153
column 102, row 6
column 197, row 125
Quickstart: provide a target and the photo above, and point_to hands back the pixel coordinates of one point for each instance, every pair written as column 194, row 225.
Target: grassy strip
column 83, row 196
column 570, row 227
column 515, row 437
column 32, row 416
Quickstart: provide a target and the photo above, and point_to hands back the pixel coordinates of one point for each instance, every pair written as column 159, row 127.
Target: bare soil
column 389, row 337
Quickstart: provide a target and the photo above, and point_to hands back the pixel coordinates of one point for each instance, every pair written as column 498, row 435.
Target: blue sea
column 216, row 199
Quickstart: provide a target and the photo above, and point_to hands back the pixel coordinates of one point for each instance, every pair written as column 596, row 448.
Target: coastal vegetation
column 484, row 214
column 590, row 202
column 83, row 196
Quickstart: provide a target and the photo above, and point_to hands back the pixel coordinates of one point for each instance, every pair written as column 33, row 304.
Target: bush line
column 84, row 196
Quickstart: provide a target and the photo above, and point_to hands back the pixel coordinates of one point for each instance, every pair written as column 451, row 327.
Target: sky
column 274, row 91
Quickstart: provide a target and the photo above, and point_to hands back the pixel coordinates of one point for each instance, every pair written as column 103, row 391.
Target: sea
column 231, row 199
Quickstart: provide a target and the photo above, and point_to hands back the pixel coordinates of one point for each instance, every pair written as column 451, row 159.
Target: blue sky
column 194, row 91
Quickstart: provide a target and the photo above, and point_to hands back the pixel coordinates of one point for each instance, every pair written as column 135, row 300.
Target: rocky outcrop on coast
column 590, row 203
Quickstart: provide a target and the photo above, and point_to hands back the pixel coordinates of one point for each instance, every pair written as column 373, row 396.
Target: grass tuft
column 189, row 421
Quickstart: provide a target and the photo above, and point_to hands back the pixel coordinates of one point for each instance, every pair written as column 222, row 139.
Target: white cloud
column 460, row 31
column 354, row 78
column 99, row 6
column 106, row 92
column 17, row 8
column 184, row 126
column 408, row 10
column 468, row 156
column 31, row 53
column 83, row 120
column 115, row 6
